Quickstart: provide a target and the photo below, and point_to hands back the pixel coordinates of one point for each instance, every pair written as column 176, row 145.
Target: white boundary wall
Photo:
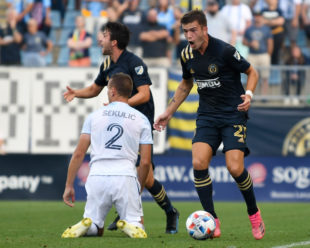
column 34, row 117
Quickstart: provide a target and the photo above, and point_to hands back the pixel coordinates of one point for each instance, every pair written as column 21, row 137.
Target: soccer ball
column 200, row 225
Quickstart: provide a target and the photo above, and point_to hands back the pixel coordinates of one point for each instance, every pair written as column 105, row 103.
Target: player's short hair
column 194, row 15
column 118, row 32
column 122, row 83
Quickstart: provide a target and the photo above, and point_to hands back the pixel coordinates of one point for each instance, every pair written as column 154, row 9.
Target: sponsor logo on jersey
column 139, row 70
column 208, row 83
column 212, row 69
column 237, row 55
column 297, row 141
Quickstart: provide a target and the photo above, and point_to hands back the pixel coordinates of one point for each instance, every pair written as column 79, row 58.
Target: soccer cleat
column 131, row 230
column 258, row 226
column 217, row 231
column 172, row 225
column 78, row 230
column 113, row 226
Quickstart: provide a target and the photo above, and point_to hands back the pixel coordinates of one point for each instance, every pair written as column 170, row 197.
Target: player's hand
column 69, row 196
column 161, row 122
column 246, row 103
column 69, row 94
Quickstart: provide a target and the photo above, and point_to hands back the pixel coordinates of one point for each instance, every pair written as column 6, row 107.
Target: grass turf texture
column 40, row 224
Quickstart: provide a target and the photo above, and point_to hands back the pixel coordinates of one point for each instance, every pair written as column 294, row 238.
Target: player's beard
column 106, row 50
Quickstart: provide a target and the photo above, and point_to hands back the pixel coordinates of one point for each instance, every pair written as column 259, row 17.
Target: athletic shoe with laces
column 131, row 230
column 258, row 226
column 172, row 225
column 78, row 230
column 217, row 231
column 113, row 226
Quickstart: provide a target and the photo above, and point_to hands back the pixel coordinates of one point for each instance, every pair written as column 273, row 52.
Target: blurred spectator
column 35, row 45
column 258, row 5
column 152, row 4
column 154, row 41
column 187, row 5
column 132, row 18
column 79, row 41
column 59, row 5
column 10, row 40
column 165, row 15
column 274, row 19
column 41, row 11
column 23, row 9
column 291, row 10
column 240, row 17
column 294, row 76
column 259, row 39
column 218, row 24
column 178, row 33
column 95, row 14
column 305, row 12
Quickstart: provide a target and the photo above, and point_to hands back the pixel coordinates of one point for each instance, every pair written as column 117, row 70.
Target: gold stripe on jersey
column 183, row 56
column 106, row 63
column 187, row 53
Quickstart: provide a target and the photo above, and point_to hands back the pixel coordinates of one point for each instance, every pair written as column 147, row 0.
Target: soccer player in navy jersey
column 114, row 40
column 222, row 114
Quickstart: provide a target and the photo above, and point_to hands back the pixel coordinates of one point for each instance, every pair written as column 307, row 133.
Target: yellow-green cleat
column 131, row 230
column 78, row 230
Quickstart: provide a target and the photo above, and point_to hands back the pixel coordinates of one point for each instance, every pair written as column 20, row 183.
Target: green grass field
column 40, row 224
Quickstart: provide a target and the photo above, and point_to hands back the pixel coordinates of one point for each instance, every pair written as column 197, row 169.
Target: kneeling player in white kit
column 116, row 133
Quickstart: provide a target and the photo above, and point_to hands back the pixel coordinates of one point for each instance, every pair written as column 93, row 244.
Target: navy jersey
column 217, row 75
column 133, row 66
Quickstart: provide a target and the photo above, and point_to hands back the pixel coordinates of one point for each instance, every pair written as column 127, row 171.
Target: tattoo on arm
column 184, row 90
column 172, row 101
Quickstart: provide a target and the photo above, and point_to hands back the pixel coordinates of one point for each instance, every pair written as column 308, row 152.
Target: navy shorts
column 233, row 136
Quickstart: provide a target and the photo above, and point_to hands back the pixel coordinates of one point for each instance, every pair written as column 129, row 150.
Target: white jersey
column 116, row 131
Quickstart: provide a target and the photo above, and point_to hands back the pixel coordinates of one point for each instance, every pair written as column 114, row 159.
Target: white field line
column 293, row 244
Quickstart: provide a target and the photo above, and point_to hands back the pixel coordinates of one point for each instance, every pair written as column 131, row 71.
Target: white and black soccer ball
column 200, row 225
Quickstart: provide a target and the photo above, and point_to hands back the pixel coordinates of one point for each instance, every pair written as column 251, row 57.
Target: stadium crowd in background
column 227, row 20
column 79, row 42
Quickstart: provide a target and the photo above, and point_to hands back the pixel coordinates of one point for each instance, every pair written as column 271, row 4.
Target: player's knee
column 235, row 169
column 199, row 164
column 149, row 181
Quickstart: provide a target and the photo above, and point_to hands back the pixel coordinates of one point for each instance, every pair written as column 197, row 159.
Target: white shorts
column 104, row 191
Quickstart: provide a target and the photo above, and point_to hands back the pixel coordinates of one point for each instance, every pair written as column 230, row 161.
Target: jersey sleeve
column 100, row 80
column 146, row 134
column 185, row 73
column 234, row 59
column 87, row 125
column 139, row 72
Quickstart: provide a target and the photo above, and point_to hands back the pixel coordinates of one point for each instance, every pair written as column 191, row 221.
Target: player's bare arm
column 141, row 97
column 180, row 95
column 87, row 92
column 145, row 164
column 75, row 164
column 250, row 88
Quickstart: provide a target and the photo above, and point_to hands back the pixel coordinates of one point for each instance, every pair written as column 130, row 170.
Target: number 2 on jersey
column 110, row 144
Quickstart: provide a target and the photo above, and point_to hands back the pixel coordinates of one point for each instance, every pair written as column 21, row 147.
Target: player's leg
column 128, row 204
column 205, row 144
column 159, row 194
column 93, row 221
column 234, row 138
